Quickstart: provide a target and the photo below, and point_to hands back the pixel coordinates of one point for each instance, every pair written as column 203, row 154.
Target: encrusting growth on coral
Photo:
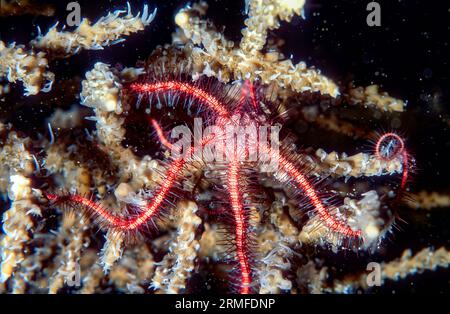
column 126, row 207
column 17, row 166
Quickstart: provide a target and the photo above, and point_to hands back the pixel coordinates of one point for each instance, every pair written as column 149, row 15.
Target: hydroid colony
column 178, row 224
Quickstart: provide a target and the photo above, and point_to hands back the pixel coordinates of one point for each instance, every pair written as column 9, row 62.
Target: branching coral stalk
column 108, row 30
column 274, row 263
column 264, row 16
column 408, row 264
column 73, row 228
column 214, row 55
column 16, row 224
column 17, row 165
column 428, row 200
column 275, row 241
column 220, row 58
column 30, row 274
column 112, row 249
column 274, row 247
column 71, row 237
column 370, row 96
column 101, row 91
column 134, row 270
column 17, row 63
column 172, row 272
column 303, row 183
column 357, row 165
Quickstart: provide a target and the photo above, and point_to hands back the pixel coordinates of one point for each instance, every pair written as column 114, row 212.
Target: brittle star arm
column 302, row 182
column 162, row 138
column 209, row 100
column 241, row 226
column 151, row 209
column 236, row 200
column 247, row 92
column 153, row 206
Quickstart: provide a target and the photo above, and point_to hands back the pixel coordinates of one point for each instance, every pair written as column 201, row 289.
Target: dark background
column 408, row 56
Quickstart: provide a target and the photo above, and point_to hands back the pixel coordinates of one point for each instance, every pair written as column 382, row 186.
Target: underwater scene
column 224, row 147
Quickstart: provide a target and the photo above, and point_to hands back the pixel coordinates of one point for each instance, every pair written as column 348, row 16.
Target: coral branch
column 171, row 274
column 262, row 18
column 219, row 56
column 16, row 224
column 106, row 31
column 30, row 67
column 370, row 96
column 17, row 167
column 126, row 224
column 428, row 200
column 358, row 165
column 408, row 264
column 240, row 225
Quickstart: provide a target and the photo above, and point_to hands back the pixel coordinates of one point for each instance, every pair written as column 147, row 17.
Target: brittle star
column 246, row 111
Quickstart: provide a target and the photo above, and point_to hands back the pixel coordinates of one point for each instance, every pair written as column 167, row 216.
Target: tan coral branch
column 17, row 165
column 108, row 30
column 102, row 92
column 219, row 57
column 407, row 265
column 358, row 165
column 371, row 96
column 171, row 276
column 428, row 200
column 263, row 16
